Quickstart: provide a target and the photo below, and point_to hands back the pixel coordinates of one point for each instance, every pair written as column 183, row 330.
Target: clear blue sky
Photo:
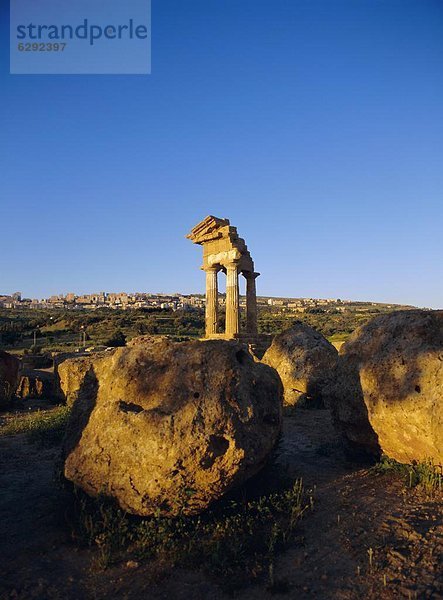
column 315, row 126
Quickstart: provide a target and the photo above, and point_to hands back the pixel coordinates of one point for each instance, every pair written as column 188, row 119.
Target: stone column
column 251, row 303
column 232, row 301
column 211, row 301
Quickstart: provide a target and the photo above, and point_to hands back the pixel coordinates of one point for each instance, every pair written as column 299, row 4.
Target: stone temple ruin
column 224, row 250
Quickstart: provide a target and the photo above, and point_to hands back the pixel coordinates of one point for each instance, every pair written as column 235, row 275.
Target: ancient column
column 211, row 301
column 232, row 301
column 251, row 303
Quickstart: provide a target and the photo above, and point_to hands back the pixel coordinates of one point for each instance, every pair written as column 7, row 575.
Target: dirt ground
column 368, row 536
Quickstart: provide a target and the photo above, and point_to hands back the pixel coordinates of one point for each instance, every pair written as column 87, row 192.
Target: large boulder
column 171, row 427
column 388, row 396
column 72, row 376
column 70, row 370
column 306, row 363
column 59, row 358
column 9, row 369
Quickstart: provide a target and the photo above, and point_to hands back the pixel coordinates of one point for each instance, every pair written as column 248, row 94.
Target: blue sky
column 315, row 126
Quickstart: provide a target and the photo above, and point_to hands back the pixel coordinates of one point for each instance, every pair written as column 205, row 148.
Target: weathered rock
column 172, row 426
column 9, row 368
column 59, row 358
column 306, row 363
column 147, row 339
column 388, row 397
column 36, row 384
column 72, row 376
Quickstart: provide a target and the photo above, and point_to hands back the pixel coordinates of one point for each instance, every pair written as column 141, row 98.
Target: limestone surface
column 306, row 363
column 9, row 368
column 171, row 427
column 73, row 375
column 389, row 394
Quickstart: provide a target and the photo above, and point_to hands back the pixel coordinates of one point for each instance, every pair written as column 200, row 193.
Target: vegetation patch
column 236, row 542
column 425, row 474
column 45, row 426
column 63, row 330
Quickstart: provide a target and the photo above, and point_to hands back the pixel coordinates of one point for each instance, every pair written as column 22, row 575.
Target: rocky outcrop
column 171, row 427
column 36, row 384
column 306, row 363
column 388, row 397
column 9, row 369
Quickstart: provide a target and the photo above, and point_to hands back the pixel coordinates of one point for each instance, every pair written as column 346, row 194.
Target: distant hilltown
column 126, row 301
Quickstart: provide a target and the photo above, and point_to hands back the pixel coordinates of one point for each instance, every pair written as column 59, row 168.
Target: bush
column 116, row 340
column 423, row 474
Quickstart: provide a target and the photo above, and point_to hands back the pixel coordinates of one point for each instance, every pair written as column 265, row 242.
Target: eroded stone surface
column 306, row 363
column 36, row 384
column 169, row 426
column 73, row 375
column 389, row 394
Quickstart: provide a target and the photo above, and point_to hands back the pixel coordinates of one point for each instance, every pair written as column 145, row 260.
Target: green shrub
column 116, row 340
column 236, row 541
column 424, row 474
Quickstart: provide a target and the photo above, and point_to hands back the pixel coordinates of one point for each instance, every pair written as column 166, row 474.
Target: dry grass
column 41, row 425
column 236, row 542
column 425, row 474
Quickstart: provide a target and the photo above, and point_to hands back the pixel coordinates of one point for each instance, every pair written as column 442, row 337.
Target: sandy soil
column 354, row 511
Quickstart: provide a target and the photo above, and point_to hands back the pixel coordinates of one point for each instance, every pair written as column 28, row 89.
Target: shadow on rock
column 387, row 395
